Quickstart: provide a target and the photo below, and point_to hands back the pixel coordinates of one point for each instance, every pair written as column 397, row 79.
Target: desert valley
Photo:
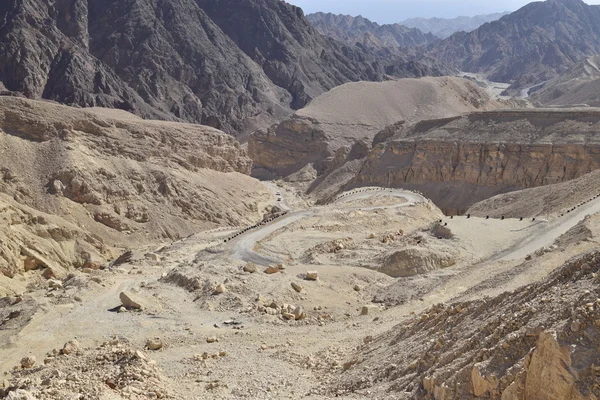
column 230, row 199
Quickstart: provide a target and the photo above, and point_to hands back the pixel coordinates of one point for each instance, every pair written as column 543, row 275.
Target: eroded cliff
column 459, row 161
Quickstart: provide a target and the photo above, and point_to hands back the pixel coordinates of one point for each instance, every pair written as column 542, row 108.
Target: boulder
column 297, row 287
column 154, row 344
column 70, row 347
column 220, row 289
column 272, row 269
column 250, row 268
column 312, row 275
column 369, row 309
column 130, row 301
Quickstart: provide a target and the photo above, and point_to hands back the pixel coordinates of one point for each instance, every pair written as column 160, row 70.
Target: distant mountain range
column 353, row 30
column 444, row 27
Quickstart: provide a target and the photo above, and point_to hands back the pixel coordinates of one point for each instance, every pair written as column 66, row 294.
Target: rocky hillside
column 353, row 30
column 529, row 46
column 234, row 65
column 77, row 185
column 338, row 127
column 580, row 84
column 459, row 161
column 538, row 342
column 444, row 27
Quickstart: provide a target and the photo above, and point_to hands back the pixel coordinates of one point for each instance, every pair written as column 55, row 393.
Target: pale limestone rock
column 70, row 347
column 154, row 344
column 220, row 289
column 369, row 309
column 312, row 275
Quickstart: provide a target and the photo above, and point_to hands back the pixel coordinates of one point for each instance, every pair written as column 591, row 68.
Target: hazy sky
column 387, row 11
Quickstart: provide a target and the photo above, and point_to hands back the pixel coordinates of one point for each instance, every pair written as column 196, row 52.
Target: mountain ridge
column 444, row 27
column 188, row 60
column 361, row 30
column 531, row 45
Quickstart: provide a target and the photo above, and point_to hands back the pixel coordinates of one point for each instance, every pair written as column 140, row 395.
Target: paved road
column 545, row 233
column 244, row 245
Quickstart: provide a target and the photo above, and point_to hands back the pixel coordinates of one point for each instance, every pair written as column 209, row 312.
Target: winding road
column 543, row 233
column 243, row 247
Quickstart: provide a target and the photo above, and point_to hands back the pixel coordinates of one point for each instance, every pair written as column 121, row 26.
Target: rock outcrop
column 339, row 126
column 538, row 342
column 235, row 65
column 459, row 161
column 529, row 46
column 75, row 184
column 414, row 261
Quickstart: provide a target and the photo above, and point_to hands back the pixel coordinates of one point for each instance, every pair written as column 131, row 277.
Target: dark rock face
column 352, row 30
column 236, row 65
column 528, row 46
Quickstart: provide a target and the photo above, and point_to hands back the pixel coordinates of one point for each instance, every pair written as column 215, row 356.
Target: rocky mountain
column 196, row 61
column 444, row 27
column 536, row 342
column 580, row 84
column 529, row 46
column 353, row 30
column 459, row 161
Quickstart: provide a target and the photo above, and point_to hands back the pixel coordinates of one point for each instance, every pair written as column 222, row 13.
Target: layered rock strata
column 459, row 161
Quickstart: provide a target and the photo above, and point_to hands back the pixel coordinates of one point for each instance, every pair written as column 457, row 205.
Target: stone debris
column 298, row 313
column 212, row 339
column 112, row 370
